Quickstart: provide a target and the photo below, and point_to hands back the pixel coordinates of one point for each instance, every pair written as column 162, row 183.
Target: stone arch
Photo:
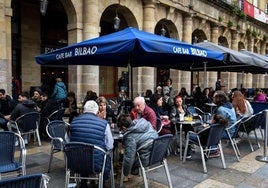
column 125, row 15
column 169, row 26
column 223, row 41
column 241, row 45
column 74, row 15
column 198, row 36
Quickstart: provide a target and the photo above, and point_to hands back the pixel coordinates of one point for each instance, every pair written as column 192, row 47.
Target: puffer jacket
column 59, row 91
column 139, row 133
column 90, row 129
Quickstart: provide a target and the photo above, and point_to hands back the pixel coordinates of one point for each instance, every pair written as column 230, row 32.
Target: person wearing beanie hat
column 90, row 128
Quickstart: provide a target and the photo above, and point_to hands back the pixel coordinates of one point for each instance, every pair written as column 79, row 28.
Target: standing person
column 218, row 84
column 135, row 134
column 241, row 105
column 142, row 110
column 16, row 88
column 59, row 92
column 89, row 128
column 7, row 104
column 171, row 91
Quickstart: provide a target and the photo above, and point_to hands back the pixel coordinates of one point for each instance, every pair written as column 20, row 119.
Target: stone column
column 145, row 75
column 75, row 34
column 234, row 46
column 187, row 37
column 90, row 74
column 214, row 34
column 5, row 46
column 212, row 76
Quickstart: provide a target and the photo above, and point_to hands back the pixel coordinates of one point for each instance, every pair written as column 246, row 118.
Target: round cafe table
column 184, row 123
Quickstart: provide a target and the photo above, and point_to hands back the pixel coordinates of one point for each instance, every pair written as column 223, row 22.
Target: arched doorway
column 109, row 76
column 53, row 35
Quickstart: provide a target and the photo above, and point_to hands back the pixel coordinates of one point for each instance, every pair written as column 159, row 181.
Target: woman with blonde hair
column 241, row 105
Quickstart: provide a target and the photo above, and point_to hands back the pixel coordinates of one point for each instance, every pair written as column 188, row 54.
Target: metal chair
column 213, row 139
column 233, row 135
column 27, row 181
column 27, row 124
column 56, row 115
column 157, row 158
column 203, row 116
column 250, row 124
column 80, row 158
column 8, row 162
column 57, row 132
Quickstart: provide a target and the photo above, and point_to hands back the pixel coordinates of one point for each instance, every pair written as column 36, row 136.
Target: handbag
column 165, row 122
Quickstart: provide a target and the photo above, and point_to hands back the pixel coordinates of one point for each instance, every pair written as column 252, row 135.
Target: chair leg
column 203, row 160
column 50, row 159
column 144, row 177
column 186, row 148
column 112, row 173
column 67, row 179
column 122, row 177
column 167, row 173
column 234, row 146
column 38, row 137
column 256, row 138
column 222, row 156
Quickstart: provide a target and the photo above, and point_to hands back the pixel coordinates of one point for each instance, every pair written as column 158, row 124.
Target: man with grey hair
column 142, row 110
column 89, row 128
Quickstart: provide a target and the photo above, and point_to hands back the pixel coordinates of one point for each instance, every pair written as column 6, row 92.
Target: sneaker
column 214, row 155
column 26, row 141
column 16, row 143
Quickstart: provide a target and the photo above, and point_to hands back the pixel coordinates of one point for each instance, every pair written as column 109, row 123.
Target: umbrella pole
column 131, row 81
column 205, row 75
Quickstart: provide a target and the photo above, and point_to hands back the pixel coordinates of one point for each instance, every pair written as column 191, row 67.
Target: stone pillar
column 75, row 34
column 145, row 75
column 234, row 46
column 5, row 48
column 250, row 44
column 214, row 34
column 90, row 74
column 187, row 37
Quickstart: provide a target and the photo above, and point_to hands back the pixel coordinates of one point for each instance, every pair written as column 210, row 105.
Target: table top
column 185, row 122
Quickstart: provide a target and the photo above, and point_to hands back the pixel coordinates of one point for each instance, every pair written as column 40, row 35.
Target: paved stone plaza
column 246, row 173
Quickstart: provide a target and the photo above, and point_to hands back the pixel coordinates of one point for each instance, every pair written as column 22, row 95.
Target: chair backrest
column 28, row 121
column 215, row 134
column 80, row 157
column 27, row 181
column 57, row 129
column 7, row 147
column 57, row 115
column 235, row 128
column 159, row 149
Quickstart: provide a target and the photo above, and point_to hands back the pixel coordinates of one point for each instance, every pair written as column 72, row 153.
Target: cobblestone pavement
column 247, row 173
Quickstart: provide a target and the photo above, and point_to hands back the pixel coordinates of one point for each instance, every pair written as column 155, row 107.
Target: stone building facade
column 26, row 33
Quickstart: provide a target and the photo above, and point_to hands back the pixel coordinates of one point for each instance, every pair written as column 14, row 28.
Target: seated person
column 105, row 112
column 241, row 105
column 91, row 129
column 71, row 106
column 37, row 97
column 216, row 119
column 142, row 110
column 162, row 116
column 24, row 106
column 135, row 134
column 7, row 104
column 260, row 96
